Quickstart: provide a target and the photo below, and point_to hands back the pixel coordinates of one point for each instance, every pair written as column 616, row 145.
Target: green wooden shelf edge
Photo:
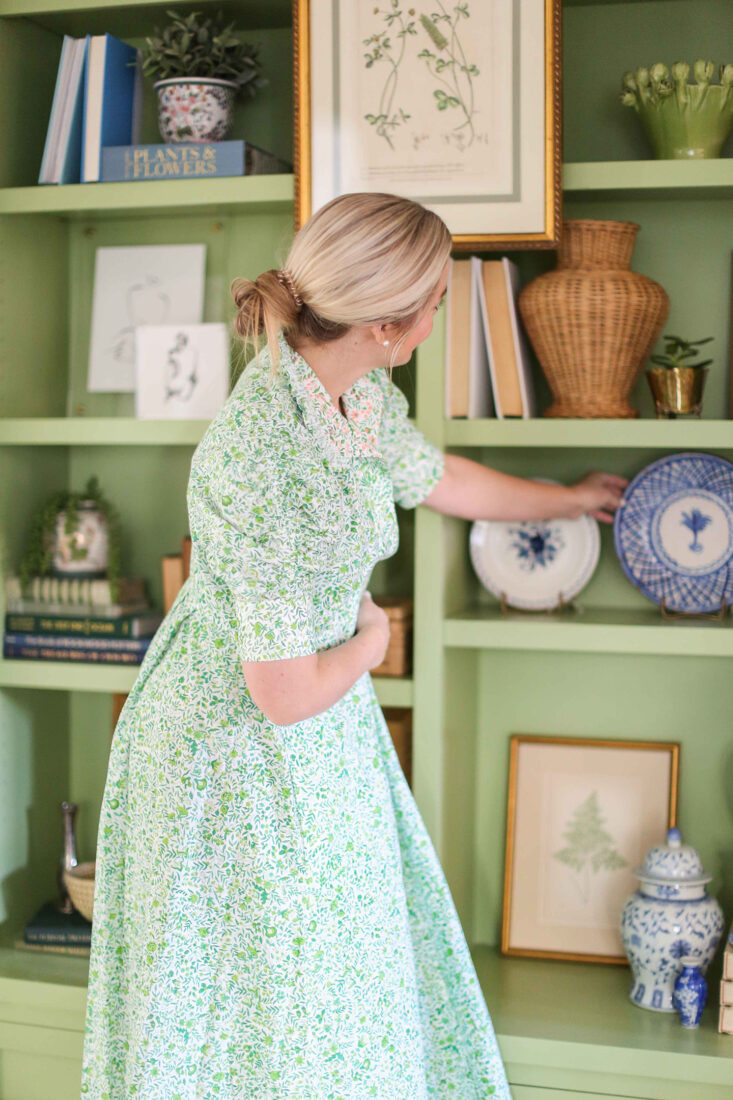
column 591, row 630
column 83, row 676
column 252, row 13
column 271, row 193
column 650, row 178
column 547, row 432
column 562, row 1024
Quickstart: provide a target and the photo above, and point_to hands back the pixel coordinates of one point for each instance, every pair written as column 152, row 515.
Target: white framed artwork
column 139, row 285
column 182, row 371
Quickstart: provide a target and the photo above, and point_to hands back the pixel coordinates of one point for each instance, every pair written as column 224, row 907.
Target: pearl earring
column 384, row 343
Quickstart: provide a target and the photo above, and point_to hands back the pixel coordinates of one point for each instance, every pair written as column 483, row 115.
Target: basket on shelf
column 79, row 881
column 399, row 723
column 592, row 320
column 398, row 659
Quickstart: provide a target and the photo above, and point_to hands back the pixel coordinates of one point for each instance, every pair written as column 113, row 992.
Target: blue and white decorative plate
column 674, row 532
column 534, row 564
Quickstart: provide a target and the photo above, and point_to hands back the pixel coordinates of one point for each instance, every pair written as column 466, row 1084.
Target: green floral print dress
column 271, row 921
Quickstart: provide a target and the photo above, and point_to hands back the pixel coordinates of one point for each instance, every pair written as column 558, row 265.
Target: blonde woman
column 271, row 919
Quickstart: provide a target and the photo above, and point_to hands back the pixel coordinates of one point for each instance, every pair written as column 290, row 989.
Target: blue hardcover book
column 177, row 160
column 70, row 147
column 60, row 163
column 112, row 97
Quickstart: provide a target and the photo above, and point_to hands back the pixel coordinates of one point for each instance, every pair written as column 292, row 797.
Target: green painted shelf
column 249, row 13
column 547, row 432
column 650, row 178
column 591, row 630
column 270, row 194
column 571, row 1025
column 83, row 676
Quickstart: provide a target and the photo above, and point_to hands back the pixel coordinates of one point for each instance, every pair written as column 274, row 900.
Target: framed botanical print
column 581, row 815
column 455, row 104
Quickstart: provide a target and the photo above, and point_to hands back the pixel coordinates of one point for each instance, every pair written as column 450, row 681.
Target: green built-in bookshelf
column 609, row 668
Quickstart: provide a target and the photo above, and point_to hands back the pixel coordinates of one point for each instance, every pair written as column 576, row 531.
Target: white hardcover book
column 521, row 347
column 725, row 1021
column 482, row 319
column 58, row 106
column 726, row 992
column 728, row 958
column 480, row 402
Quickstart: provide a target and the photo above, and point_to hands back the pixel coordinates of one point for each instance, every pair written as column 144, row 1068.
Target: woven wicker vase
column 592, row 320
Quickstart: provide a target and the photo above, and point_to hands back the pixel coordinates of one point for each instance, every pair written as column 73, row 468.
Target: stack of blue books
column 97, row 102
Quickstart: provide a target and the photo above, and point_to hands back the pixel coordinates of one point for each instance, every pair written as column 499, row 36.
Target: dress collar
column 342, row 438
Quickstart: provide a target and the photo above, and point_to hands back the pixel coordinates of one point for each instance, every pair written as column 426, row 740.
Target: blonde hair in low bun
column 364, row 258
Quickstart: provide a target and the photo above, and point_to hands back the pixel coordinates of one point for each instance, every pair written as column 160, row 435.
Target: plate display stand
column 561, row 605
column 712, row 616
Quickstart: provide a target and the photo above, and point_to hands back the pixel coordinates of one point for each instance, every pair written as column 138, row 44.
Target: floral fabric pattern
column 271, row 920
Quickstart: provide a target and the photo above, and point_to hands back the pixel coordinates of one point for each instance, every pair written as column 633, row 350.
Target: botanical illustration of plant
column 696, row 521
column 447, row 63
column 380, row 49
column 589, row 846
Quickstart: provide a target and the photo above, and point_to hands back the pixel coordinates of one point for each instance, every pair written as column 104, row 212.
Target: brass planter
column 677, row 390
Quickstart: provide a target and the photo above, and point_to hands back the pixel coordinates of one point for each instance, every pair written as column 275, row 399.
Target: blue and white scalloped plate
column 535, row 564
column 674, row 532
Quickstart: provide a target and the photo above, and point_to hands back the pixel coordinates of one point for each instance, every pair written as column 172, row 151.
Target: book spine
column 178, row 160
column 725, row 1020
column 728, row 962
column 81, row 937
column 41, row 653
column 64, row 642
column 726, row 992
column 81, row 625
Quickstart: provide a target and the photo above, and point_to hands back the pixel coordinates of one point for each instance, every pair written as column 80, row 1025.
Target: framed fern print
column 453, row 103
column 581, row 814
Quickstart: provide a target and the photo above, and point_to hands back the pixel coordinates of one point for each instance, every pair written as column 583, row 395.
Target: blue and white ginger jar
column 670, row 917
column 690, row 992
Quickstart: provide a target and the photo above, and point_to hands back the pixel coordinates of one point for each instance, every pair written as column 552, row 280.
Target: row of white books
column 725, row 1023
column 486, row 352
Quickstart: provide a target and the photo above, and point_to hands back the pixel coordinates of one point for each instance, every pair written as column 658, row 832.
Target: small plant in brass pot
column 678, row 379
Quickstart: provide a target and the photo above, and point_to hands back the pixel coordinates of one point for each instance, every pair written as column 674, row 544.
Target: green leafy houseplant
column 38, row 554
column 191, row 47
column 679, row 352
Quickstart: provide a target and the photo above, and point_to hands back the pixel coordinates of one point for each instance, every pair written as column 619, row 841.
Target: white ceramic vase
column 195, row 110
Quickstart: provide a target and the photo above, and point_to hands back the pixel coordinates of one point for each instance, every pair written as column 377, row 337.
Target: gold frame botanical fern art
column 455, row 104
column 581, row 815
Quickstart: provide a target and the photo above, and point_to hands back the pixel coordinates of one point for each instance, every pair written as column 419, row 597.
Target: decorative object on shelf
column 182, row 371
column 669, row 917
column 682, row 121
column 79, row 882
column 690, row 991
column 66, row 540
column 398, row 658
column 592, row 320
column 419, row 105
column 68, row 856
column 676, row 383
column 725, row 1018
column 673, row 533
column 139, row 285
column 201, row 66
column 537, row 565
column 580, row 814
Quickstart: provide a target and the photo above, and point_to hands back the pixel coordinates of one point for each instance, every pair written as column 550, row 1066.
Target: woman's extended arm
column 473, row 491
column 297, row 688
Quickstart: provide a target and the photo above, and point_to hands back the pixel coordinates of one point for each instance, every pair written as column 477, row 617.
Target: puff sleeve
column 415, row 464
column 252, row 543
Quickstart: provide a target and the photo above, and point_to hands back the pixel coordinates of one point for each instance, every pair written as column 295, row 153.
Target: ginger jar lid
column 673, row 862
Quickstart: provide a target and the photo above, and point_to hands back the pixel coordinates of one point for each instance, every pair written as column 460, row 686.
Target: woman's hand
column 373, row 618
column 599, row 495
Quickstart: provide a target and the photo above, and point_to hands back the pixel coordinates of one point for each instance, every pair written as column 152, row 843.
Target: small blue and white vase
column 668, row 918
column 690, row 991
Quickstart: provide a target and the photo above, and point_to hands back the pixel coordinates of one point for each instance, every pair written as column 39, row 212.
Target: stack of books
column 725, row 1023
column 486, row 353
column 51, row 930
column 61, row 619
column 97, row 102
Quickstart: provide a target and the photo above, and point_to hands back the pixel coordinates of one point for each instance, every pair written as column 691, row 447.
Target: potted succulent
column 200, row 65
column 682, row 120
column 678, row 379
column 74, row 534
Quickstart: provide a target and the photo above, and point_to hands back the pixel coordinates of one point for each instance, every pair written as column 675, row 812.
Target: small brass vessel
column 677, row 391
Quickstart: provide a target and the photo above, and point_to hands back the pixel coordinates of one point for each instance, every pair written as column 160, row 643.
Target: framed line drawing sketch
column 581, row 815
column 456, row 104
column 182, row 371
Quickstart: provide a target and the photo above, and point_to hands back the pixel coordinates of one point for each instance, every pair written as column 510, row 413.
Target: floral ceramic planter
column 195, row 110
column 670, row 917
column 82, row 552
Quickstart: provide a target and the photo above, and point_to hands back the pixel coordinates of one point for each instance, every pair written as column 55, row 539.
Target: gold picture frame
column 535, row 165
column 538, row 914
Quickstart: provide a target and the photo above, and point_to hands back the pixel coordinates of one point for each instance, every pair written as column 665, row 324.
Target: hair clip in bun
column 285, row 278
